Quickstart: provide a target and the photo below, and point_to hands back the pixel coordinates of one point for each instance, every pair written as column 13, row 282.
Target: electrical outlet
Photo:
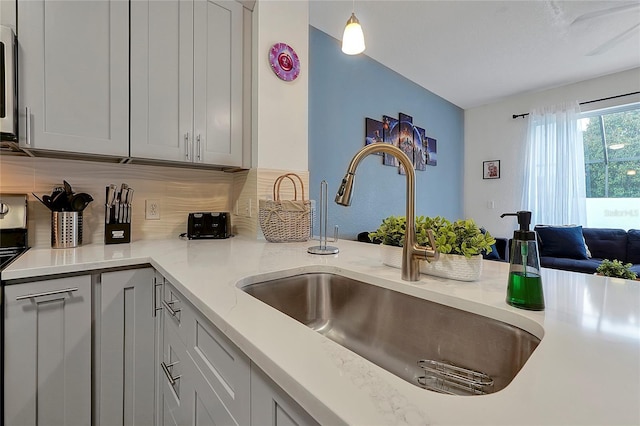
column 152, row 209
column 243, row 207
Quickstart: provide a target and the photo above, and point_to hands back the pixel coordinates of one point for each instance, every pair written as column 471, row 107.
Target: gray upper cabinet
column 73, row 61
column 186, row 81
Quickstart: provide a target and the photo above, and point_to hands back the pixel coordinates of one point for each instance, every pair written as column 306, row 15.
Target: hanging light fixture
column 353, row 38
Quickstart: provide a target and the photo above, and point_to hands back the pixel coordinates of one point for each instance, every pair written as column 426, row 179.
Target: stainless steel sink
column 433, row 346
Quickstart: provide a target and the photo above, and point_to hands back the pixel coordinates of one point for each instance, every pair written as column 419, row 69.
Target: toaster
column 209, row 225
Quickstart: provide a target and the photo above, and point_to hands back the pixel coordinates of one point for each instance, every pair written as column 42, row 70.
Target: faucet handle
column 432, row 254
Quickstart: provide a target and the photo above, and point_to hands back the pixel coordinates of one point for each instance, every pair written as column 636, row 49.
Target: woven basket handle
column 276, row 186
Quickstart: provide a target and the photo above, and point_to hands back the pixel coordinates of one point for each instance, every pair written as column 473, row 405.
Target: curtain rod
column 514, row 116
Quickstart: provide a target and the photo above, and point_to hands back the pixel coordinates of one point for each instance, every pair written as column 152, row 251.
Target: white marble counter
column 586, row 369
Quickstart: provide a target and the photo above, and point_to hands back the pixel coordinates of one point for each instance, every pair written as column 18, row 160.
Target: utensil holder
column 66, row 229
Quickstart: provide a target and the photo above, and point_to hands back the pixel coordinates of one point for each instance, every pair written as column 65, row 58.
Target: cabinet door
column 218, row 54
column 47, row 351
column 162, row 79
column 74, row 75
column 271, row 406
column 125, row 344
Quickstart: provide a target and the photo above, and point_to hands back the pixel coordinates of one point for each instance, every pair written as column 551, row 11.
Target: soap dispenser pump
column 525, row 285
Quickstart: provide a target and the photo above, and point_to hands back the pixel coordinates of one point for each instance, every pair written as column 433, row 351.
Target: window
column 612, row 165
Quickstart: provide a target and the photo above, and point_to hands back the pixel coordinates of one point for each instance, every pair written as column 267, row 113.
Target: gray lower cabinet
column 78, row 350
column 207, row 380
column 271, row 406
column 47, row 350
column 124, row 347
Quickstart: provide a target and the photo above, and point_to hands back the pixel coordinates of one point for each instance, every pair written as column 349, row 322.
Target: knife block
column 116, row 233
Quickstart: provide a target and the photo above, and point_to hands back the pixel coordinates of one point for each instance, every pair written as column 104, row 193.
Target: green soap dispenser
column 525, row 285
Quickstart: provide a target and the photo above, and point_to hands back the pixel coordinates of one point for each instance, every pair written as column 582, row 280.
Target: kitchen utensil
column 46, row 200
column 129, row 202
column 67, row 187
column 80, row 201
column 59, row 201
column 122, row 202
column 111, row 197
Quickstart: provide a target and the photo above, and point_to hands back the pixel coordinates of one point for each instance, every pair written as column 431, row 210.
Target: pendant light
column 353, row 38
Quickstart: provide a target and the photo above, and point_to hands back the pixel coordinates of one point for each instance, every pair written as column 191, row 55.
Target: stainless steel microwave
column 8, row 115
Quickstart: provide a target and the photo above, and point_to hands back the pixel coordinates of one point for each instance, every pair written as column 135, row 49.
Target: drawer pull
column 170, row 378
column 46, row 293
column 168, row 307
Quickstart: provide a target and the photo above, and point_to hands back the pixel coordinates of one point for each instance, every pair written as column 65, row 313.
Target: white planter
column 452, row 266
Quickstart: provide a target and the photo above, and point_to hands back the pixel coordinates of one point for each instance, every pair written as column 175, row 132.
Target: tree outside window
column 612, row 152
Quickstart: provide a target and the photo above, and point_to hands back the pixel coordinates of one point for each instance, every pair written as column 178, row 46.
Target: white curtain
column 554, row 185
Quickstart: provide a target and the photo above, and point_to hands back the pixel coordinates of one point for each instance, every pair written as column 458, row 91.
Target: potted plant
column 460, row 244
column 615, row 268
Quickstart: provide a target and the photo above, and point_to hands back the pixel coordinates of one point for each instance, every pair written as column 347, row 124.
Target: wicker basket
column 284, row 221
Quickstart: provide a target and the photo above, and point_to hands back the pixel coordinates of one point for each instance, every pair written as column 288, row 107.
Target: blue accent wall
column 343, row 90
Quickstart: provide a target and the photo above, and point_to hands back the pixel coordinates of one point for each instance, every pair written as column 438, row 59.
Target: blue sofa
column 580, row 249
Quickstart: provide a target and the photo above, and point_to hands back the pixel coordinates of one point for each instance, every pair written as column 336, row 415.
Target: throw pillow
column 561, row 241
column 633, row 246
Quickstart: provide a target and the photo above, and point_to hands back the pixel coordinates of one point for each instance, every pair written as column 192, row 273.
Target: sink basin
column 431, row 345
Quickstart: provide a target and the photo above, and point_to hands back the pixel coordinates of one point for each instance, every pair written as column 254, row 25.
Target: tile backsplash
column 179, row 191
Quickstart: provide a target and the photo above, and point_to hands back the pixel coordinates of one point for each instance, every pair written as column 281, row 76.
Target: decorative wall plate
column 284, row 61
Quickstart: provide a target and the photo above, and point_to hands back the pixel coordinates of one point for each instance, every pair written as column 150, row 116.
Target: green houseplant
column 460, row 244
column 615, row 268
column 461, row 237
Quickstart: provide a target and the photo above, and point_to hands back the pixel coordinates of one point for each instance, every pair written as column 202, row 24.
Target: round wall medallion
column 284, row 61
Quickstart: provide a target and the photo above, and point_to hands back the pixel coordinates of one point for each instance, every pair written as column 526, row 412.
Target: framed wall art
column 402, row 133
column 491, row 169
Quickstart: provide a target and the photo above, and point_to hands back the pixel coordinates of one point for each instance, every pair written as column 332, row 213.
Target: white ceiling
column 476, row 52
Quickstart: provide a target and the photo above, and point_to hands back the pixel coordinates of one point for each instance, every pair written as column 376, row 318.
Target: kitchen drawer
column 174, row 367
column 206, row 405
column 173, row 308
column 224, row 366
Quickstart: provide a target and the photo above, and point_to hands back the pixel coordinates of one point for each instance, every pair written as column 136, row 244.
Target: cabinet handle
column 186, row 145
column 198, row 146
column 46, row 293
column 170, row 378
column 155, row 297
column 168, row 307
column 27, row 133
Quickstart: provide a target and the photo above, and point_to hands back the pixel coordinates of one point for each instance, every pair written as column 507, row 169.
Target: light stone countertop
column 586, row 369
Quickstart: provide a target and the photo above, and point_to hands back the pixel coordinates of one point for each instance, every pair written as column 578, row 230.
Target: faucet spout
column 412, row 252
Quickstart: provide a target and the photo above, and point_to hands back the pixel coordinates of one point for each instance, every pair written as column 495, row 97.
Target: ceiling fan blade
column 612, row 42
column 609, row 11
